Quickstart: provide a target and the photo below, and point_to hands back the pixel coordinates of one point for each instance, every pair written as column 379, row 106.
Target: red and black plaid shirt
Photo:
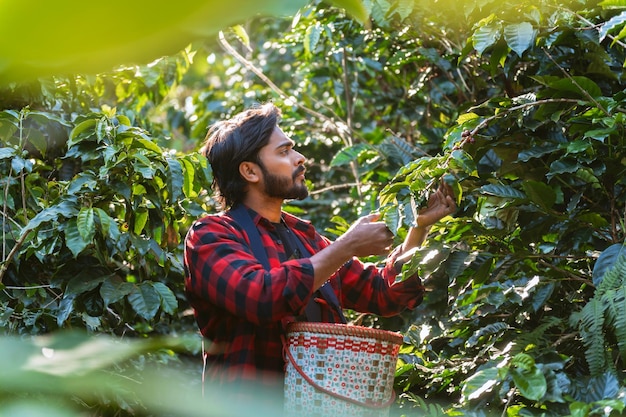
column 242, row 308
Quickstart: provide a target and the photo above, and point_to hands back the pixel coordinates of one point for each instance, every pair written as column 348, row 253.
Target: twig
column 522, row 106
column 334, row 187
column 582, row 90
column 349, row 114
column 570, row 274
column 597, row 27
column 259, row 73
column 8, row 287
column 16, row 247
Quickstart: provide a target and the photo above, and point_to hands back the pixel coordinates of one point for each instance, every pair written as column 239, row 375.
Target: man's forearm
column 415, row 238
column 329, row 260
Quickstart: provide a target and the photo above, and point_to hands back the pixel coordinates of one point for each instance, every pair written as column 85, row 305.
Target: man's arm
column 368, row 236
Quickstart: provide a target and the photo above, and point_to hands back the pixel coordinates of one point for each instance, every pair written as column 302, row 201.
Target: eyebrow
column 288, row 142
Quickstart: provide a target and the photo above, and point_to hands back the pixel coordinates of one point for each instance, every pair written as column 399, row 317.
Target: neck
column 270, row 208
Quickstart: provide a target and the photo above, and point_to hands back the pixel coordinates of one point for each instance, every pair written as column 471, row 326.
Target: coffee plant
column 519, row 106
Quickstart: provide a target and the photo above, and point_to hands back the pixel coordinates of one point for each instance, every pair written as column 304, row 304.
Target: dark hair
column 236, row 140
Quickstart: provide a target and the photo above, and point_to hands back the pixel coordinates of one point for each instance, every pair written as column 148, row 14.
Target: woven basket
column 339, row 370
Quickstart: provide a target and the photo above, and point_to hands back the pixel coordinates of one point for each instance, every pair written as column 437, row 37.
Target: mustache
column 300, row 170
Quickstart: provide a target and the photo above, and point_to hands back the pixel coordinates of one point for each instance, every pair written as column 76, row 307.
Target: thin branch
column 582, row 90
column 597, row 27
column 259, row 73
column 334, row 187
column 522, row 106
column 6, row 216
column 18, row 245
column 570, row 274
column 349, row 112
column 8, row 287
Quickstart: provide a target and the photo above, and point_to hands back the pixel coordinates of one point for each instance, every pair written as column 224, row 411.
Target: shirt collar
column 293, row 222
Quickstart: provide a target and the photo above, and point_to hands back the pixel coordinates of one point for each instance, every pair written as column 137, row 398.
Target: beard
column 283, row 187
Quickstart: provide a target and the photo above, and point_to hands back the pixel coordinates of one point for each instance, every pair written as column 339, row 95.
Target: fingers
column 370, row 236
column 372, row 217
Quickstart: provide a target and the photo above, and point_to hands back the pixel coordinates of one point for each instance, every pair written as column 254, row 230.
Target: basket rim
column 340, row 329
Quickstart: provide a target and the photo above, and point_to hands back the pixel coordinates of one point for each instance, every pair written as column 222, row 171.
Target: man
column 243, row 307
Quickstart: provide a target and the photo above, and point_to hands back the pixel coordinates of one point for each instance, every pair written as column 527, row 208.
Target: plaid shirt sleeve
column 368, row 289
column 364, row 287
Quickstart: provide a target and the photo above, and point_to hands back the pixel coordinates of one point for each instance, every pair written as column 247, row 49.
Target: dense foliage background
column 519, row 105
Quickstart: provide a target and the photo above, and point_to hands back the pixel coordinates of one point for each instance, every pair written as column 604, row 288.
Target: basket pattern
column 335, row 369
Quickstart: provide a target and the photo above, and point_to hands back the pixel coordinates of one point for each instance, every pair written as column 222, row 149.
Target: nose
column 300, row 159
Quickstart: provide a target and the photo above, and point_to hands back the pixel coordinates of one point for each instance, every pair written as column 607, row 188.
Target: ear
column 250, row 171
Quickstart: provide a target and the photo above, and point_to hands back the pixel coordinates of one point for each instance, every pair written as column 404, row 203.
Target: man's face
column 282, row 168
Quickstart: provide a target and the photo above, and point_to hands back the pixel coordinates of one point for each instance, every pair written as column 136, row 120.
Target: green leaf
column 579, row 85
column 174, row 179
column 594, row 219
column 242, row 35
column 312, row 37
column 168, row 299
column 455, row 264
column 486, row 35
column 531, row 384
column 66, row 306
column 500, row 190
column 76, row 134
column 66, row 208
column 540, row 193
column 114, row 289
column 7, row 153
column 188, row 178
column 85, row 224
column 536, row 152
column 391, row 217
column 9, row 123
column 161, row 30
column 464, row 161
column 141, row 218
column 466, row 117
column 145, row 300
column 404, row 8
column 578, row 146
column 73, row 239
column 77, row 353
column 82, row 284
column 480, row 383
column 562, row 166
column 602, row 387
column 356, row 8
column 607, row 259
column 140, row 142
column 38, row 140
column 348, row 154
column 519, row 36
column 104, row 219
column 610, row 24
column 587, row 175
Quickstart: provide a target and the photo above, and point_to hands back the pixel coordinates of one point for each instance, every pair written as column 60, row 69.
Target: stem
column 334, row 187
column 522, row 106
column 339, row 129
column 582, row 90
column 5, row 214
column 349, row 117
column 22, row 181
column 18, row 245
column 597, row 27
